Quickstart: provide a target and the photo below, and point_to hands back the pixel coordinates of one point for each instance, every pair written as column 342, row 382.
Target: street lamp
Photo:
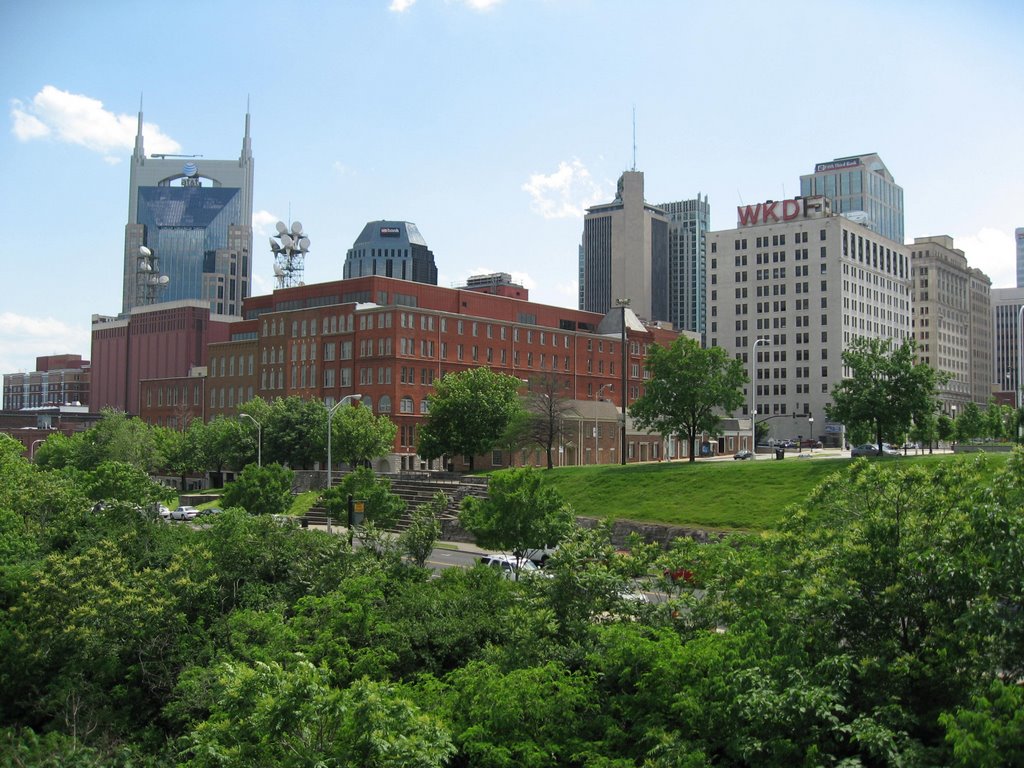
column 753, row 395
column 32, row 449
column 259, row 438
column 622, row 442
column 597, row 398
column 810, row 429
column 330, row 415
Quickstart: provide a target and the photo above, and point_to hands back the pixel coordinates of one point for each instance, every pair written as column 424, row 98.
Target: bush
column 259, row 490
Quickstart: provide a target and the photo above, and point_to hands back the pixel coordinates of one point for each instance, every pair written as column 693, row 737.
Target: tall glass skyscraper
column 861, row 188
column 194, row 217
column 688, row 225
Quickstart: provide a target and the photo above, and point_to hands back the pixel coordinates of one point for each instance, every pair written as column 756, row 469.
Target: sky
column 490, row 124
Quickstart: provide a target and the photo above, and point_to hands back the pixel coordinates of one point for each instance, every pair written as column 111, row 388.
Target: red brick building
column 160, row 341
column 57, row 380
column 390, row 339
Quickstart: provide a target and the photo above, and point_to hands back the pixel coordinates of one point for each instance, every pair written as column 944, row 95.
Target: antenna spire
column 634, row 137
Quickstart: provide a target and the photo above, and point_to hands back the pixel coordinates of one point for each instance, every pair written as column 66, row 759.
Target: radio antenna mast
column 634, row 137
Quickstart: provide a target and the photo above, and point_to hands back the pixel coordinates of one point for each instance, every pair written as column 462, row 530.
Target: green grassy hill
column 717, row 495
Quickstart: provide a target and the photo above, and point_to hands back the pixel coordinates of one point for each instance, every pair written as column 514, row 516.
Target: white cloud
column 994, row 252
column 400, row 6
column 341, row 169
column 76, row 119
column 481, row 5
column 23, row 339
column 263, row 223
column 564, row 194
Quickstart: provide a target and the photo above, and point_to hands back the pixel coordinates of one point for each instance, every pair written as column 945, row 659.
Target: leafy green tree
column 357, row 436
column 688, row 388
column 989, row 732
column 886, row 391
column 532, row 717
column 381, row 507
column 227, row 444
column 418, row 539
column 58, row 451
column 265, row 490
column 520, row 515
column 970, row 423
column 269, row 714
column 118, row 481
column 945, row 428
column 469, row 413
column 118, row 437
column 184, row 452
column 295, row 432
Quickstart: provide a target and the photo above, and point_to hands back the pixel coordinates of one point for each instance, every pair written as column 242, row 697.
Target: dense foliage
column 879, row 626
column 470, row 412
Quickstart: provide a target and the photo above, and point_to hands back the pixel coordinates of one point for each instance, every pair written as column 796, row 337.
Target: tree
column 887, row 389
column 295, row 432
column 417, row 541
column 118, row 437
column 547, row 409
column 688, row 388
column 118, row 481
column 520, row 514
column 469, row 412
column 357, row 436
column 970, row 423
column 227, row 444
column 265, row 490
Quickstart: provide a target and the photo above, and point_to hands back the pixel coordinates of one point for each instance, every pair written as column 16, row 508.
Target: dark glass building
column 391, row 249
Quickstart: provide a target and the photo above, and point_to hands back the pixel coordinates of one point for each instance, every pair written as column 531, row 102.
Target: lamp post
column 32, row 449
column 810, row 428
column 753, row 395
column 622, row 442
column 952, row 409
column 597, row 399
column 330, row 416
column 259, row 438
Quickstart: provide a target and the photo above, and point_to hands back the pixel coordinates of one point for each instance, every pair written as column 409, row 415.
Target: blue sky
column 491, row 124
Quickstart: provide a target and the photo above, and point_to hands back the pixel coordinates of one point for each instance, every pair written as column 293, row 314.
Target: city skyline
column 490, row 125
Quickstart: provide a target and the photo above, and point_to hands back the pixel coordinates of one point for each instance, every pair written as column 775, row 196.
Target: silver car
column 184, row 513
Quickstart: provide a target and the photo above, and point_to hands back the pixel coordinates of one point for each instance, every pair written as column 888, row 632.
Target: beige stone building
column 789, row 288
column 953, row 320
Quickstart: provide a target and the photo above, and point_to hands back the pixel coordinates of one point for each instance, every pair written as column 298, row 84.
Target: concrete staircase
column 416, row 488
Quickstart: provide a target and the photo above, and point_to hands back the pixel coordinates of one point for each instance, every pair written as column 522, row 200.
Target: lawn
column 716, row 495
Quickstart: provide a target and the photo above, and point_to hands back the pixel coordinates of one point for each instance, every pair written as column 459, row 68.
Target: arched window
column 384, row 404
column 367, row 402
column 424, row 406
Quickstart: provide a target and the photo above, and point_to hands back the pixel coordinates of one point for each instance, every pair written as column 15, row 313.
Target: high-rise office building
column 1007, row 304
column 189, row 231
column 952, row 320
column 391, row 249
column 688, row 225
column 861, row 188
column 789, row 288
column 625, row 253
column 1019, row 237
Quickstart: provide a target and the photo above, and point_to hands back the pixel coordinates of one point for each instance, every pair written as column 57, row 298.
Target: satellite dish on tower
column 296, row 227
column 144, row 251
column 289, row 246
column 281, row 227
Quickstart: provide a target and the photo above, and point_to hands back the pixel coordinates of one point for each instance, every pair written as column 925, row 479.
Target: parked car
column 184, row 513
column 743, row 455
column 810, row 444
column 508, row 565
column 163, row 511
column 209, row 512
column 867, row 449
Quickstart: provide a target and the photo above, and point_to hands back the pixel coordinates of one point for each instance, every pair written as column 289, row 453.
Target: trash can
column 780, row 454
